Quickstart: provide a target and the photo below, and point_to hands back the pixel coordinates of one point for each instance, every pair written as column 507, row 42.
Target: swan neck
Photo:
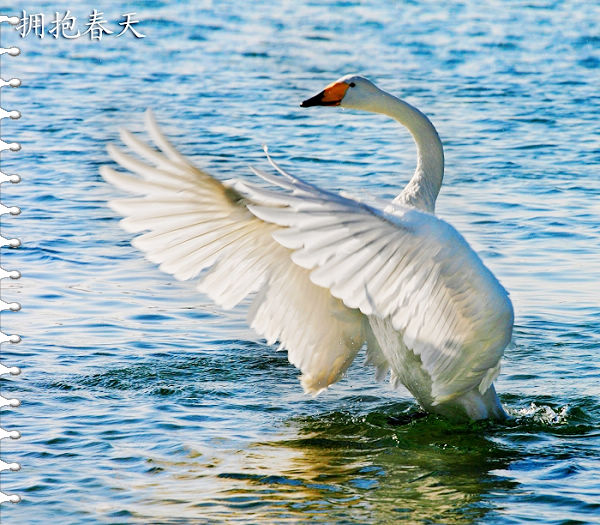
column 424, row 186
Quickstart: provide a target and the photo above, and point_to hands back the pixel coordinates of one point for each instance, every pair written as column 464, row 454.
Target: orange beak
column 332, row 95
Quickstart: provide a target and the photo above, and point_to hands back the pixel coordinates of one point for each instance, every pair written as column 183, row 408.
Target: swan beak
column 332, row 95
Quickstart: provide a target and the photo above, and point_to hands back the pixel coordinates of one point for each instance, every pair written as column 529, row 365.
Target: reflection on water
column 343, row 467
column 424, row 471
column 340, row 467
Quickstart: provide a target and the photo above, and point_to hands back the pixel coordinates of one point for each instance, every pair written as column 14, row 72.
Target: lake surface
column 144, row 403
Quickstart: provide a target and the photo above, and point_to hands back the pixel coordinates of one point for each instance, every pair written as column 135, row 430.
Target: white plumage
column 330, row 273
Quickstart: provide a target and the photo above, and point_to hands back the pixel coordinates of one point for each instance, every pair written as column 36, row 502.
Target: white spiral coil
column 12, row 274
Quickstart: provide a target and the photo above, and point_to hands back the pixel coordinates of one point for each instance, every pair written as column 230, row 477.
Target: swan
column 331, row 274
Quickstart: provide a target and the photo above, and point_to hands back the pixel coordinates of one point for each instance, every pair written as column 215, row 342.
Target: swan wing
column 194, row 222
column 404, row 265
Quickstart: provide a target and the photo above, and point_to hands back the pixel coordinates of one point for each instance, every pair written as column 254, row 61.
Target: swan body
column 331, row 274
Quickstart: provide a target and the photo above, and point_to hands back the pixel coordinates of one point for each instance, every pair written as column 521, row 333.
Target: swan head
column 350, row 91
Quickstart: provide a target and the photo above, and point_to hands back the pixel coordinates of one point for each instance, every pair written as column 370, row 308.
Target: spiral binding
column 14, row 274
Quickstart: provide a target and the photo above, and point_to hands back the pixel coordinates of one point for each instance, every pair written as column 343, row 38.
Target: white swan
column 332, row 273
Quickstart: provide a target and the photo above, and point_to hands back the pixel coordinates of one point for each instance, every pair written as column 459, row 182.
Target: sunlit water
column 143, row 403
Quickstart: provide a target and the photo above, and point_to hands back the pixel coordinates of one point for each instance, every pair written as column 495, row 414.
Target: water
column 144, row 403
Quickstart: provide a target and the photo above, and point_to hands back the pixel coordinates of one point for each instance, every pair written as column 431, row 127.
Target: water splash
column 543, row 414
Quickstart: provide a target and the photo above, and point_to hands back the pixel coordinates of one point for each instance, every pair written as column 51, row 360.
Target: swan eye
column 352, row 84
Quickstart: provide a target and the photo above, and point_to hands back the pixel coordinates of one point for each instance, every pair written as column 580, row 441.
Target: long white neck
column 424, row 186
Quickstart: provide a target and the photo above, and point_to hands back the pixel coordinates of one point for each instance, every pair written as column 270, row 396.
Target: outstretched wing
column 404, row 265
column 195, row 222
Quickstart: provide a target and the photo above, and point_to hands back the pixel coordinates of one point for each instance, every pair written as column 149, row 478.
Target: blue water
column 144, row 403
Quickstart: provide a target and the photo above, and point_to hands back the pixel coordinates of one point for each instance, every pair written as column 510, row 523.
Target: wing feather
column 194, row 222
column 449, row 308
